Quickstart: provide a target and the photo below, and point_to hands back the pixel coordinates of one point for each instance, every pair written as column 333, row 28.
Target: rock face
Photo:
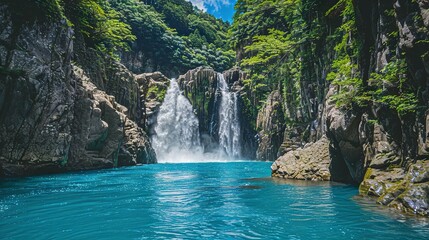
column 53, row 117
column 343, row 131
column 152, row 89
column 199, row 86
column 270, row 124
column 108, row 137
column 373, row 146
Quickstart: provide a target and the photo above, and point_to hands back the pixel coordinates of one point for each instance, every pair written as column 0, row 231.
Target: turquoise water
column 191, row 201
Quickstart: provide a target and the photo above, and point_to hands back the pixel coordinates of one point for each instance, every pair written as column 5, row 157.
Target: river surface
column 231, row 200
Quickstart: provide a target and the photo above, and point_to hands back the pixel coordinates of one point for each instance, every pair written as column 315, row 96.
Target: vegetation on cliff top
column 289, row 45
column 175, row 35
column 171, row 34
column 294, row 45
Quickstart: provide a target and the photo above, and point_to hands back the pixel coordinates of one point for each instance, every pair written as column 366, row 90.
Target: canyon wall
column 376, row 146
column 57, row 116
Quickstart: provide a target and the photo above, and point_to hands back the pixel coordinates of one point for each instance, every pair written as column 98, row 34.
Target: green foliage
column 275, row 40
column 157, row 91
column 256, row 17
column 177, row 36
column 403, row 103
column 345, row 71
column 170, row 33
column 100, row 25
column 279, row 45
column 387, row 87
column 268, row 48
column 28, row 11
column 346, row 76
column 398, row 97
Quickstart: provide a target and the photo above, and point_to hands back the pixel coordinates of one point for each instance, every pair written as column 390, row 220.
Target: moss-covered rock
column 199, row 86
column 153, row 88
column 407, row 191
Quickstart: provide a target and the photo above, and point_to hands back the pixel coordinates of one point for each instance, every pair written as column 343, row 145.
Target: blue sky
column 219, row 8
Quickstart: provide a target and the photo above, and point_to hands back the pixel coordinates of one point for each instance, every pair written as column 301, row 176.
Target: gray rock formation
column 309, row 163
column 53, row 118
column 152, row 89
column 199, row 86
column 104, row 131
column 343, row 131
column 270, row 123
column 373, row 146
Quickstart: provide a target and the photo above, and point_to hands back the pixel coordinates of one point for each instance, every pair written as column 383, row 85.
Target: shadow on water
column 365, row 203
column 368, row 204
column 293, row 182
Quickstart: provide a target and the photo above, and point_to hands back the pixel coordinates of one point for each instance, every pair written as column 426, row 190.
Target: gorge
column 292, row 101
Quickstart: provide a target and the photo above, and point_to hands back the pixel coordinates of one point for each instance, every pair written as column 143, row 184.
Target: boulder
column 309, row 163
column 407, row 191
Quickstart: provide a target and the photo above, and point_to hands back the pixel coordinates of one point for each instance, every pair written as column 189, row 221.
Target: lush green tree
column 100, row 24
column 294, row 45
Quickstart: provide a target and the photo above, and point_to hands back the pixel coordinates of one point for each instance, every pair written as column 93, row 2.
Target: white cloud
column 215, row 4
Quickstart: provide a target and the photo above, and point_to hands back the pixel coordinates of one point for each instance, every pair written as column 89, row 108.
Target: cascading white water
column 229, row 126
column 177, row 137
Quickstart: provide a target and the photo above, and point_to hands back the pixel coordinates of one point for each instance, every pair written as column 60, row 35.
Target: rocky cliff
column 56, row 116
column 376, row 146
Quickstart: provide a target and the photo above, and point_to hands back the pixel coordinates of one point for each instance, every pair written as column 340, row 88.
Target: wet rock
column 382, row 161
column 200, row 87
column 152, row 89
column 419, row 172
column 413, row 200
column 405, row 191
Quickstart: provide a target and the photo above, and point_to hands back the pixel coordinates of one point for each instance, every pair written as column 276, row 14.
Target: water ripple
column 193, row 201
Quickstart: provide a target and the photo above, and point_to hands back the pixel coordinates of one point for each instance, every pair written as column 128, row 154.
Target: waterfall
column 229, row 124
column 176, row 133
column 177, row 137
